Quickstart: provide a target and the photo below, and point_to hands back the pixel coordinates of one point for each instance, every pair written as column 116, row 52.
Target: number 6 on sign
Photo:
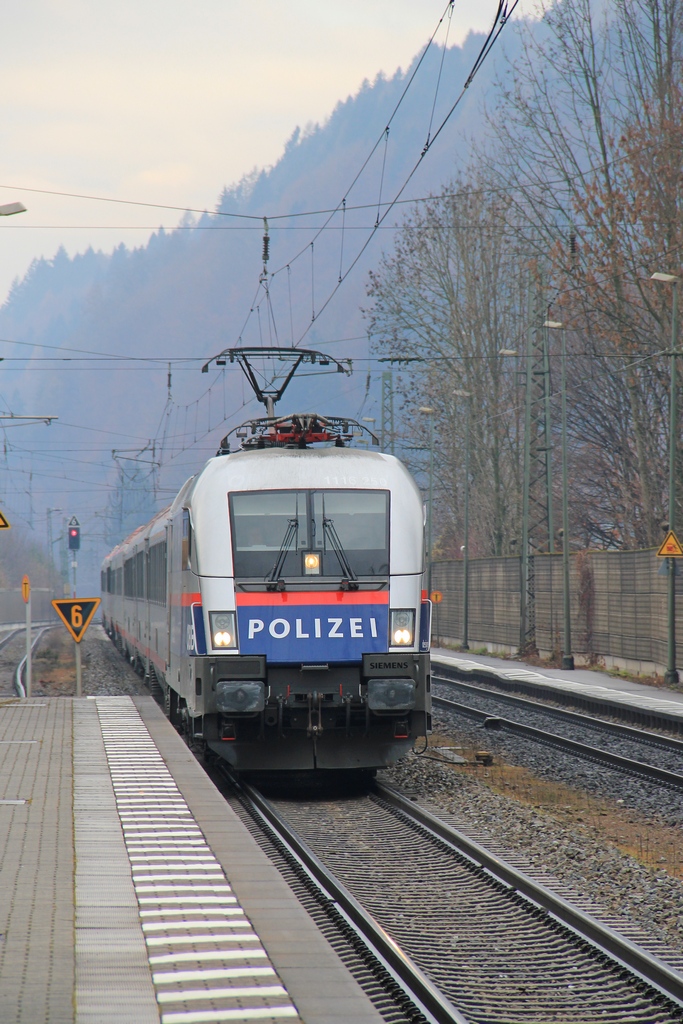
column 76, row 614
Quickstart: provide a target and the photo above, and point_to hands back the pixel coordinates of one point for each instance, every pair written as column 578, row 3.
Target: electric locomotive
column 278, row 602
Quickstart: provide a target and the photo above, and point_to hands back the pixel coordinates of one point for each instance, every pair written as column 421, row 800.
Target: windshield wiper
column 350, row 579
column 291, row 533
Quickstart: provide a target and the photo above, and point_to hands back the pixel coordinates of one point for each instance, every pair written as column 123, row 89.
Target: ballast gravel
column 548, row 762
column 594, row 869
column 105, row 672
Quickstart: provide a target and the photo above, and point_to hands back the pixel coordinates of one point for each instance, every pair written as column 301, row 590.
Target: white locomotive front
column 297, row 630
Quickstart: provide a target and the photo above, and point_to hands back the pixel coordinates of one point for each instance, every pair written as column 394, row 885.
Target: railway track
column 647, row 714
column 20, row 670
column 656, row 739
column 596, row 754
column 465, row 935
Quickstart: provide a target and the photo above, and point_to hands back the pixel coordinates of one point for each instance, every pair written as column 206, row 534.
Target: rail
column 576, row 717
column 631, row 956
column 647, row 771
column 426, row 997
column 18, row 684
column 648, row 712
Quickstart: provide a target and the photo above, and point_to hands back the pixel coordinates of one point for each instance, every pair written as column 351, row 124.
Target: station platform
column 647, row 704
column 130, row 892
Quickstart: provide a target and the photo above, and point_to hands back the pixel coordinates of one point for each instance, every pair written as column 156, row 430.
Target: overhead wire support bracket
column 10, row 416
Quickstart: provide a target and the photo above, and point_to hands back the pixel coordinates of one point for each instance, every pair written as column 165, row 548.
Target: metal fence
column 618, row 606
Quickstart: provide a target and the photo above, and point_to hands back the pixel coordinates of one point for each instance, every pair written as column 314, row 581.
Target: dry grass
column 54, row 665
column 653, row 843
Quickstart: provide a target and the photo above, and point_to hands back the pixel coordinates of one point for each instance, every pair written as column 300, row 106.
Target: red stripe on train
column 185, row 600
column 336, row 597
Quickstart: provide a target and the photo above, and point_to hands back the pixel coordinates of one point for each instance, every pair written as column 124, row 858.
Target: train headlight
column 402, row 633
column 311, row 563
column 223, row 631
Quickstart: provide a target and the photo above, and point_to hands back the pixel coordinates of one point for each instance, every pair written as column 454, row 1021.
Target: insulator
column 572, row 243
column 266, row 243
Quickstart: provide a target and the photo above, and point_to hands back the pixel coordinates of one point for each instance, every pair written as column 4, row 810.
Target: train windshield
column 310, row 533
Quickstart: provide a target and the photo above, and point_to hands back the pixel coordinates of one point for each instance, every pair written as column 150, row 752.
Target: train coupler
column 315, row 701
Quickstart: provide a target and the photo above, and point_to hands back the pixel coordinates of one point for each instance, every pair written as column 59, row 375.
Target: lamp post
column 567, row 656
column 466, row 547
column 671, row 674
column 50, row 544
column 526, row 477
column 7, row 209
column 369, row 419
column 427, row 410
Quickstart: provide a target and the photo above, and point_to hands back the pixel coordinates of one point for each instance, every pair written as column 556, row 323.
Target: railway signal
column 77, row 613
column 74, row 538
column 74, row 534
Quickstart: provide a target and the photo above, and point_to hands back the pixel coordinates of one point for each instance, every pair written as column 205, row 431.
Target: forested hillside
column 555, row 194
column 187, row 293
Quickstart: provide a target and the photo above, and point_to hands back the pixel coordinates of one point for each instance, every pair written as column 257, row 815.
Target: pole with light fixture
column 50, row 546
column 465, row 646
column 526, row 477
column 427, row 410
column 7, row 209
column 671, row 675
column 567, row 656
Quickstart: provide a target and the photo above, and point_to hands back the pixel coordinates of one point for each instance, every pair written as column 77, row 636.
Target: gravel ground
column 553, row 763
column 590, row 866
column 105, row 672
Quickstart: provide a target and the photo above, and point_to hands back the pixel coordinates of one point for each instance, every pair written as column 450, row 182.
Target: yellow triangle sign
column 76, row 613
column 4, row 523
column 671, row 547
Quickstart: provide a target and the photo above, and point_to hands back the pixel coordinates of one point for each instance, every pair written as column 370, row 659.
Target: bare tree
column 589, row 143
column 449, row 295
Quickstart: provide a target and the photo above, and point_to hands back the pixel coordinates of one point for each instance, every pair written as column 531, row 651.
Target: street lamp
column 466, row 548
column 567, row 656
column 671, row 675
column 9, row 208
column 50, row 544
column 427, row 410
column 368, row 419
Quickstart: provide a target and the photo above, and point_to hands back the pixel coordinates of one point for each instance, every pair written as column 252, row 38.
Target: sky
column 166, row 102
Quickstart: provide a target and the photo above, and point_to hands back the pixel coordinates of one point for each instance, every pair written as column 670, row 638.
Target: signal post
column 77, row 613
column 26, row 594
column 74, row 531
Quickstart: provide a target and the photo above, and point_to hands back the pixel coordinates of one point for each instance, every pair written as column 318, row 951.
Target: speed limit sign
column 76, row 613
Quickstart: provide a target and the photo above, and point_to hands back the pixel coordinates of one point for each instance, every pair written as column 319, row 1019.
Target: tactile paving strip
column 207, row 962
